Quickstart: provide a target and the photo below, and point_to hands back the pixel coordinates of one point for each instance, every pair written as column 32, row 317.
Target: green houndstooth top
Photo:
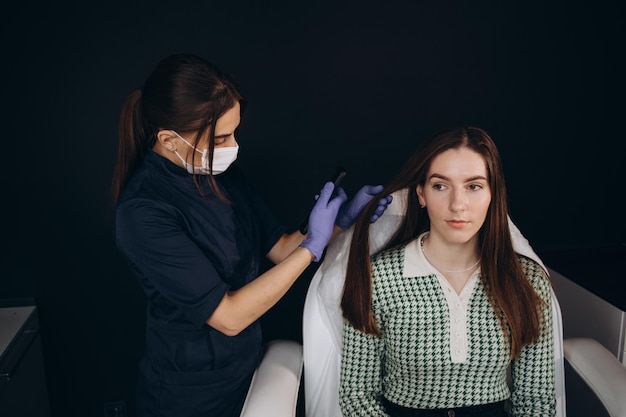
column 440, row 349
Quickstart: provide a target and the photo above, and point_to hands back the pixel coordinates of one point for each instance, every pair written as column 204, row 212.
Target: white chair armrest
column 275, row 384
column 601, row 371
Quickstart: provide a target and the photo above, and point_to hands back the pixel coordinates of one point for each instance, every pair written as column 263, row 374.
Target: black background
column 356, row 84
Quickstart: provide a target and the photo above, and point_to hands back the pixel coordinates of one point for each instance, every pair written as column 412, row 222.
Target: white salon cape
column 323, row 322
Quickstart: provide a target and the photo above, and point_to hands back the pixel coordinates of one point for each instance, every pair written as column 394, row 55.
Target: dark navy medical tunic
column 188, row 250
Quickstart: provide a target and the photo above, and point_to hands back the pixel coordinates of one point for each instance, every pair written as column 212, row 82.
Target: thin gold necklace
column 446, row 270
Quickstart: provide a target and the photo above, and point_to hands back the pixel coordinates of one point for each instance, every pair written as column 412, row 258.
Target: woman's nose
column 459, row 201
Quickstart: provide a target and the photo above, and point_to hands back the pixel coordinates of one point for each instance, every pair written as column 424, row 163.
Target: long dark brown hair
column 513, row 298
column 184, row 93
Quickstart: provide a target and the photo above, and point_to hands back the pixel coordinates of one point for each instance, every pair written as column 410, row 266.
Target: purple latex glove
column 350, row 210
column 322, row 220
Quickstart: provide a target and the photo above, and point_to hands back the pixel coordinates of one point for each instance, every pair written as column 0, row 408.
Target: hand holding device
column 322, row 220
column 336, row 179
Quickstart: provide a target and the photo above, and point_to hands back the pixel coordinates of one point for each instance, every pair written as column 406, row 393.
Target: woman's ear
column 419, row 190
column 168, row 139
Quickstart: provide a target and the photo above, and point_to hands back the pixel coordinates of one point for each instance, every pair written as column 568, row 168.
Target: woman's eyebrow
column 476, row 177
column 438, row 176
column 444, row 178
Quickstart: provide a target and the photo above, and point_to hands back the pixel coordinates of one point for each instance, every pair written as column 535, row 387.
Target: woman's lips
column 457, row 224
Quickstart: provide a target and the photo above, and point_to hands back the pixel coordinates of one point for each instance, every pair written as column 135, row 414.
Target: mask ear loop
column 185, row 163
column 204, row 153
column 188, row 144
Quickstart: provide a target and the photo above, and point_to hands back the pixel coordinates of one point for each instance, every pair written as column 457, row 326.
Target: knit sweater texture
column 412, row 364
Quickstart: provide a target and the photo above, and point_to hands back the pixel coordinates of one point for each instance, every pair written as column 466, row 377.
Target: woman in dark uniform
column 194, row 230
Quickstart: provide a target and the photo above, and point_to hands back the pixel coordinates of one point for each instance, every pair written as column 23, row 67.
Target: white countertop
column 11, row 320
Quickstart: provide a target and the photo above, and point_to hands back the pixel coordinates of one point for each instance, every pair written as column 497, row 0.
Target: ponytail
column 132, row 143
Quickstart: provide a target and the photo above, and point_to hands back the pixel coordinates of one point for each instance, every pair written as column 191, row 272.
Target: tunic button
column 450, row 413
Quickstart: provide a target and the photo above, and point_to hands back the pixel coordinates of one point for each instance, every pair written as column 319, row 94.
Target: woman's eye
column 221, row 139
column 439, row 187
column 475, row 187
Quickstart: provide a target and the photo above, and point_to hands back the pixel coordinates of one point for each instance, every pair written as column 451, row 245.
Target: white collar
column 415, row 264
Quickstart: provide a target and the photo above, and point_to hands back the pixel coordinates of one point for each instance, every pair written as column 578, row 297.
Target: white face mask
column 222, row 159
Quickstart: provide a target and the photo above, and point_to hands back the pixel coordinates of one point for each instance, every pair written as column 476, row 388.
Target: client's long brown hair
column 513, row 298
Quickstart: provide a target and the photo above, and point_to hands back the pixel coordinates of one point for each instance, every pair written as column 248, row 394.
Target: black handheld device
column 336, row 179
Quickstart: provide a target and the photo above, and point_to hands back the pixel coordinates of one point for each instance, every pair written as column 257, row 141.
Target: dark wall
column 356, row 84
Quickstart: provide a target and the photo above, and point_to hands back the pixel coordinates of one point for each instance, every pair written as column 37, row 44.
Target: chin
column 461, row 237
